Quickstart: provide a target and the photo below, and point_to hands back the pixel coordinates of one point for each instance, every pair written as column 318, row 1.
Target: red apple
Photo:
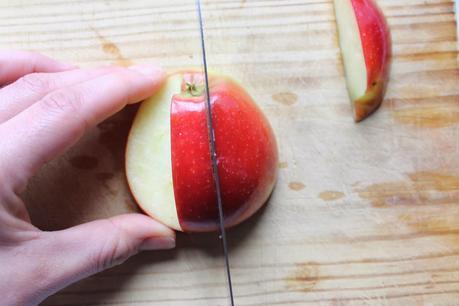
column 168, row 162
column 366, row 49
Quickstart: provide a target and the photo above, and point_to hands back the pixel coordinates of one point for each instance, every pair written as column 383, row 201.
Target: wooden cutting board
column 363, row 214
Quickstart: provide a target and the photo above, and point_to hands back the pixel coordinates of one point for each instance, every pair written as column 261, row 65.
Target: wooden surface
column 363, row 214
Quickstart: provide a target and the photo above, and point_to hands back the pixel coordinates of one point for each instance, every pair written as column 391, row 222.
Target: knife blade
column 213, row 153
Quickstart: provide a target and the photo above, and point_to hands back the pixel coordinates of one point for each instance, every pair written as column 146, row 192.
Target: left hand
column 45, row 107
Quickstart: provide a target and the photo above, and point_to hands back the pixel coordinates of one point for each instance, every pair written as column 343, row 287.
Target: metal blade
column 213, row 154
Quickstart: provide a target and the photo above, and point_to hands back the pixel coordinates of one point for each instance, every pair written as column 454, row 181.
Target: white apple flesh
column 148, row 156
column 351, row 49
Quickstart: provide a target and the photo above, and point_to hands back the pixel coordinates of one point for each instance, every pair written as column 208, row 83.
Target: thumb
column 89, row 248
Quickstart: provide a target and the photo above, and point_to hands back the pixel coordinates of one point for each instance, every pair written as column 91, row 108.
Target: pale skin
column 45, row 107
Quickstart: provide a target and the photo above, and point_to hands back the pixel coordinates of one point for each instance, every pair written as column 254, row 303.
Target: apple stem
column 193, row 90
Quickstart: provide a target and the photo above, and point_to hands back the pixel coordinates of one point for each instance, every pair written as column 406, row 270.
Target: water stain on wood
column 112, row 49
column 445, row 227
column 114, row 132
column 131, row 206
column 427, row 117
column 441, row 182
column 429, row 223
column 331, row 195
column 84, row 162
column 421, row 188
column 124, row 62
column 286, row 98
column 104, row 176
column 304, row 278
column 106, row 179
column 283, row 165
column 296, row 186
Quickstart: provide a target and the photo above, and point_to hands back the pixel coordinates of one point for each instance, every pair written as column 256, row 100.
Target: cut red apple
column 168, row 162
column 366, row 49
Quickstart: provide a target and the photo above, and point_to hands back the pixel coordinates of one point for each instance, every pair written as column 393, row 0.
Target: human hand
column 45, row 107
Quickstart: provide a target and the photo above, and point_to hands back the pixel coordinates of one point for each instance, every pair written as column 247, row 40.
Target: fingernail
column 150, row 71
column 158, row 243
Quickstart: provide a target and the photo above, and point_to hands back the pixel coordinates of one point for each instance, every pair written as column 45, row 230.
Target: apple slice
column 366, row 49
column 148, row 156
column 168, row 162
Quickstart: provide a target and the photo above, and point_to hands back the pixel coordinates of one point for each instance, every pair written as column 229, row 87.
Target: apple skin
column 246, row 152
column 376, row 45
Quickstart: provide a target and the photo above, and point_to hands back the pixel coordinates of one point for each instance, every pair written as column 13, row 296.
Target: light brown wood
column 363, row 214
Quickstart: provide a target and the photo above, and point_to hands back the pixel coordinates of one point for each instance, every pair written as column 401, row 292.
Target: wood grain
column 362, row 214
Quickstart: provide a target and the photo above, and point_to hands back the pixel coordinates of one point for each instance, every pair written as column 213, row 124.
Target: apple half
column 365, row 44
column 168, row 161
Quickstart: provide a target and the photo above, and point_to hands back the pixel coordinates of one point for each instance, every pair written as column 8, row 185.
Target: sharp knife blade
column 213, row 154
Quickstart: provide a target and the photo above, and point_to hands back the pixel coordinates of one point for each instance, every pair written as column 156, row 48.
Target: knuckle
column 68, row 101
column 124, row 83
column 37, row 82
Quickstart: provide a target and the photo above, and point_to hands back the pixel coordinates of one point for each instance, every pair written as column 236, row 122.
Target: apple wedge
column 168, row 163
column 365, row 44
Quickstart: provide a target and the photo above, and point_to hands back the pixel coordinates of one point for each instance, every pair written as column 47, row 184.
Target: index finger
column 57, row 121
column 16, row 64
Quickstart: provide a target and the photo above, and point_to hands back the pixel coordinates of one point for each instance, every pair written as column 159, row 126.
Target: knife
column 213, row 155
